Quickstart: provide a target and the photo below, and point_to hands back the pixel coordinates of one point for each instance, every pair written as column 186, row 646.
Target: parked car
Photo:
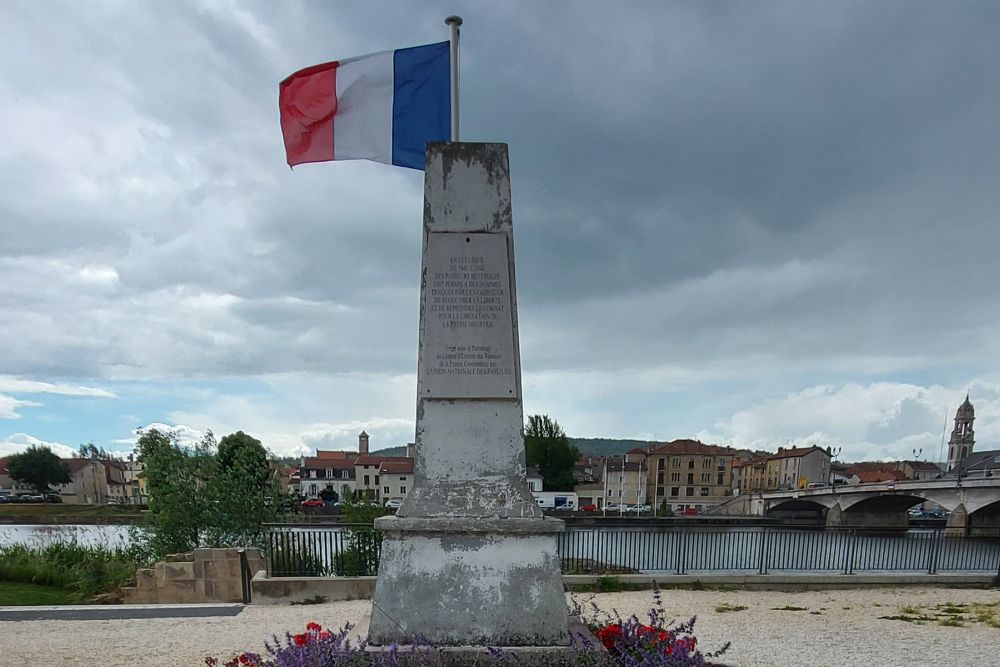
column 3, row 499
column 53, row 498
column 30, row 498
column 393, row 504
column 588, row 508
column 313, row 502
column 689, row 511
column 565, row 508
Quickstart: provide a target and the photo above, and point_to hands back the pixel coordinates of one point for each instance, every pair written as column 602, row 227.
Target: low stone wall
column 288, row 590
column 202, row 575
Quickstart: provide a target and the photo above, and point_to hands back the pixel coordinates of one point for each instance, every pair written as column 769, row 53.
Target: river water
column 86, row 535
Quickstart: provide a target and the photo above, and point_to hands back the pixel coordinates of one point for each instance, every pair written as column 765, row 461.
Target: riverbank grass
column 84, row 572
column 15, row 593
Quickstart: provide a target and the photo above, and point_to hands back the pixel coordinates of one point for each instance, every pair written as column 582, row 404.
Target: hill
column 607, row 446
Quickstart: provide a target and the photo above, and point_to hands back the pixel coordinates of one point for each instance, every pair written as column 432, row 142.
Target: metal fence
column 352, row 550
column 347, row 550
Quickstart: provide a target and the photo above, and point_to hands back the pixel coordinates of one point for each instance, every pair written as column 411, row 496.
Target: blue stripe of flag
column 421, row 101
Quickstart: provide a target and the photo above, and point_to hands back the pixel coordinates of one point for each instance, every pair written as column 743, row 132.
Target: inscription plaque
column 468, row 347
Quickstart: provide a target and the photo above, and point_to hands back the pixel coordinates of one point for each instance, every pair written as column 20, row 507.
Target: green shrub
column 84, row 571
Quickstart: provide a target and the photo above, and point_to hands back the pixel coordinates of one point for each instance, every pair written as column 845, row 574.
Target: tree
column 175, row 478
column 38, row 468
column 243, row 491
column 547, row 448
column 93, row 452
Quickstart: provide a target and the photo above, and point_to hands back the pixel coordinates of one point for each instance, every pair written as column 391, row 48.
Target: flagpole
column 454, row 22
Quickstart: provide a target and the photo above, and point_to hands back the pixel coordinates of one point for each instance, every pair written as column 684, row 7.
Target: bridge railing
column 615, row 549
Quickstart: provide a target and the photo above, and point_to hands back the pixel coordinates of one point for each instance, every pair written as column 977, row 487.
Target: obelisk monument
column 469, row 559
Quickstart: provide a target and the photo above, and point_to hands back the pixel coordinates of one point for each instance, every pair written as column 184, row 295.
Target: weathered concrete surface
column 286, row 590
column 476, row 587
column 469, row 559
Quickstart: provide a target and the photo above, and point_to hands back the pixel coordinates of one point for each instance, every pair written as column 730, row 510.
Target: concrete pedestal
column 493, row 582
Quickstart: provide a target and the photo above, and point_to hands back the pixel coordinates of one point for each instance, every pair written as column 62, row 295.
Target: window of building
column 721, row 463
column 706, row 477
column 720, row 478
column 385, row 490
column 367, row 482
column 376, row 480
column 675, row 491
column 690, row 478
column 704, row 490
column 660, row 464
column 402, row 490
column 312, row 474
column 345, row 474
column 690, row 463
column 689, row 491
column 659, row 491
column 677, row 462
column 610, row 493
column 675, row 477
column 706, row 462
column 402, row 478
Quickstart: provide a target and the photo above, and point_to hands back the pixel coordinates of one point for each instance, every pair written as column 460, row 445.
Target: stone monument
column 469, row 559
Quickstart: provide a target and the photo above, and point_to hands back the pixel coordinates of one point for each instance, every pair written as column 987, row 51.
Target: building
column 94, row 482
column 985, row 463
column 689, row 474
column 963, row 438
column 396, row 478
column 354, row 475
column 535, row 481
column 319, row 474
column 798, row 467
column 624, row 482
column 749, row 475
column 135, row 482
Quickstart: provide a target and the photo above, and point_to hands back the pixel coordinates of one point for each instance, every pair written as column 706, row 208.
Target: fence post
column 937, row 540
column 244, row 575
column 678, row 551
column 762, row 556
column 852, row 549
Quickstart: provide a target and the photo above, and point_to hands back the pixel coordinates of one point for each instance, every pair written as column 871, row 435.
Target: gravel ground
column 845, row 630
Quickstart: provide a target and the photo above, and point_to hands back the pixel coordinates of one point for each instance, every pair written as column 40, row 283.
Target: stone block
column 180, row 591
column 145, row 579
column 174, row 571
column 179, row 558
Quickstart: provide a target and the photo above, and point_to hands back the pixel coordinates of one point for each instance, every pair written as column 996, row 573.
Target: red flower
column 325, row 634
column 313, row 627
column 300, row 640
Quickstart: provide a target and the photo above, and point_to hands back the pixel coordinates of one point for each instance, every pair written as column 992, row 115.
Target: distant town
column 681, row 477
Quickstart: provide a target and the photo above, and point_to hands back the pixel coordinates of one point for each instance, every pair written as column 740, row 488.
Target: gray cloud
column 701, row 191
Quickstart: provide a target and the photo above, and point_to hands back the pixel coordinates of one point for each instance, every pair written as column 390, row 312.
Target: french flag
column 384, row 107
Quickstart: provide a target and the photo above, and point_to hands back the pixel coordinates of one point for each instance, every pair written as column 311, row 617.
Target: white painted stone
column 469, row 558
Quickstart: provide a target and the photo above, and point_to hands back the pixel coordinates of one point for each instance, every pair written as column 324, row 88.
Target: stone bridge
column 974, row 503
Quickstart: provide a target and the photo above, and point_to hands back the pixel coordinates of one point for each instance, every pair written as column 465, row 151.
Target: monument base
column 469, row 582
column 582, row 643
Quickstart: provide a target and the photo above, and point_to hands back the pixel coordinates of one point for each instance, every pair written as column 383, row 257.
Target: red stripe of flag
column 307, row 101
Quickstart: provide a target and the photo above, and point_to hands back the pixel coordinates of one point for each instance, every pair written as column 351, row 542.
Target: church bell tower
column 962, row 438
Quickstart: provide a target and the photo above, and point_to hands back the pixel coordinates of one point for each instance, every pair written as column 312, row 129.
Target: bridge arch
column 797, row 505
column 883, row 503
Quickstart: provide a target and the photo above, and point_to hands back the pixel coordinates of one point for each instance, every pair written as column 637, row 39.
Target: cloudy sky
column 754, row 223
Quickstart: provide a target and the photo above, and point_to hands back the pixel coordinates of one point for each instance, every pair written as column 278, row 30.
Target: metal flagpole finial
column 454, row 22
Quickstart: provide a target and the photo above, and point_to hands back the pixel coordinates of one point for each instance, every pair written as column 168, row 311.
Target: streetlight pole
column 834, row 453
